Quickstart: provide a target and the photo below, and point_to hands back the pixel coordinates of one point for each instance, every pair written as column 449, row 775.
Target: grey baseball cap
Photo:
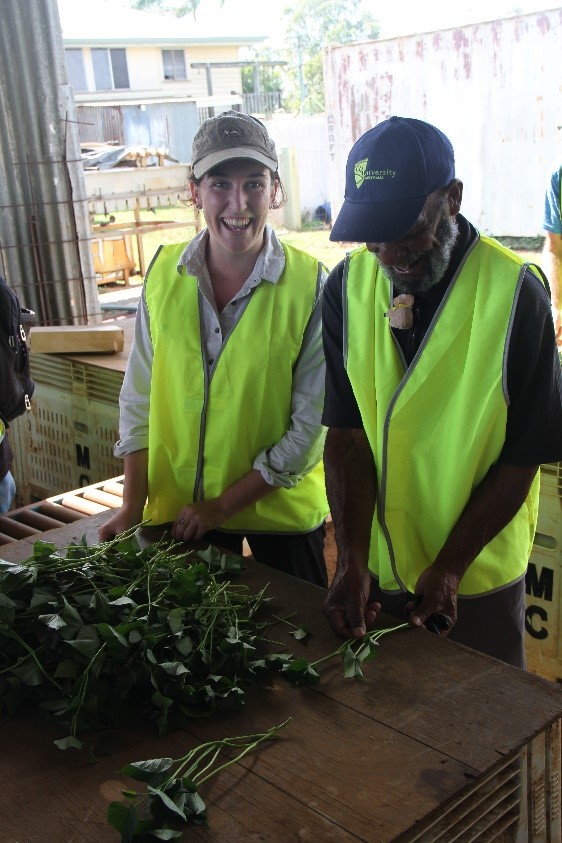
column 231, row 135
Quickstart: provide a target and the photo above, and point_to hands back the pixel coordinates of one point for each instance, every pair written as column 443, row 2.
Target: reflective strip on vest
column 436, row 429
column 206, row 430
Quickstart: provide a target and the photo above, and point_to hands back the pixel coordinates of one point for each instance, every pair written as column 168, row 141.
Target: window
column 110, row 69
column 174, row 64
column 75, row 67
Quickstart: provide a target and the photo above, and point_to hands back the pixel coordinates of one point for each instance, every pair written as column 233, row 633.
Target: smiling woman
column 222, row 399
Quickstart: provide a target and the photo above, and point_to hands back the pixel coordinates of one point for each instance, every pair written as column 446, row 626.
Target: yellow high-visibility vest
column 205, row 431
column 437, row 427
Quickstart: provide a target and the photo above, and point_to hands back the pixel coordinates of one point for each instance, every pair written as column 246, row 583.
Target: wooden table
column 436, row 737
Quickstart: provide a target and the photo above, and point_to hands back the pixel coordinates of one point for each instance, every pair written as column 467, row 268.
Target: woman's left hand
column 196, row 519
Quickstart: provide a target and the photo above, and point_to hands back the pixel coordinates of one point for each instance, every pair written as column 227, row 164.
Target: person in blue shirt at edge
column 443, row 396
column 221, row 404
column 552, row 251
column 7, row 482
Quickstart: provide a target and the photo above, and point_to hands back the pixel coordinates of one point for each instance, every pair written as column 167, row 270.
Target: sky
column 240, row 17
column 396, row 17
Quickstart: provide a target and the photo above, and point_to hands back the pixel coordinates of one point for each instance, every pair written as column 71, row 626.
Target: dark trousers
column 298, row 554
column 492, row 623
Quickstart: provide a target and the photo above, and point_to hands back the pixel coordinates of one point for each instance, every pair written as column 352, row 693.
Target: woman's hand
column 123, row 520
column 196, row 519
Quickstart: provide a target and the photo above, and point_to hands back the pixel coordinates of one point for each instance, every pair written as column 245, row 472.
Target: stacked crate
column 544, row 580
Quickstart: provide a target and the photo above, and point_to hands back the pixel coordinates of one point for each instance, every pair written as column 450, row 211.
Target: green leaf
column 300, row 634
column 175, row 620
column 52, row 621
column 368, row 651
column 43, row 549
column 167, row 801
column 7, row 609
column 164, row 834
column 122, row 601
column 116, row 591
column 111, row 637
column 87, row 643
column 301, row 671
column 124, row 818
column 349, row 663
column 67, row 669
column 194, row 805
column 297, row 666
column 174, row 668
column 184, row 645
column 68, row 743
column 70, row 615
column 29, row 673
column 135, row 636
column 277, row 661
column 149, row 770
column 58, row 706
column 40, row 597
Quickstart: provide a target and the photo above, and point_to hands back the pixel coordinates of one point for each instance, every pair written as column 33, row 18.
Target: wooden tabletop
column 363, row 760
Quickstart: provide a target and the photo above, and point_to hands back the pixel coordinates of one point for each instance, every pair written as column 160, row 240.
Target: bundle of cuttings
column 97, row 631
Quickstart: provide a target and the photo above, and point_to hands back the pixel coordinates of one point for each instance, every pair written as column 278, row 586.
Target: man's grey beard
column 438, row 258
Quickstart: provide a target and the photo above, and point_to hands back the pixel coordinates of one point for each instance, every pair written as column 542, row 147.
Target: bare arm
column 552, row 266
column 492, row 505
column 135, row 489
column 351, row 488
column 196, row 519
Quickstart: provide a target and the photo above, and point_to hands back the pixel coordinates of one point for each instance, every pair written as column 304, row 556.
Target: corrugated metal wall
column 100, row 123
column 495, row 88
column 44, row 227
column 169, row 124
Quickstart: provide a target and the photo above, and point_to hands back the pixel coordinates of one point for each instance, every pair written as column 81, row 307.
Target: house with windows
column 149, row 79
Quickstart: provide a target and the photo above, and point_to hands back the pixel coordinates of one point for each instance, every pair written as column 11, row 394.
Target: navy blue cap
column 391, row 170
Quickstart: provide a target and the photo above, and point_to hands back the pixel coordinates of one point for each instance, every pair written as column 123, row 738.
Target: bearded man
column 443, row 397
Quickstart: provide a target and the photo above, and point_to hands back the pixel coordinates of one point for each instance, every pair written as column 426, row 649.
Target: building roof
column 115, row 23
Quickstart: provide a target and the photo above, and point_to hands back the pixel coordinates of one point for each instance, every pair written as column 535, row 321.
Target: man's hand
column 347, row 607
column 196, row 519
column 437, row 595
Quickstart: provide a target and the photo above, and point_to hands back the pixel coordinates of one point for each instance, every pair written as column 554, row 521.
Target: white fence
column 309, row 137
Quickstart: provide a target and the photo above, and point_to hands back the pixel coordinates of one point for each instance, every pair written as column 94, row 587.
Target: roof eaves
column 141, row 42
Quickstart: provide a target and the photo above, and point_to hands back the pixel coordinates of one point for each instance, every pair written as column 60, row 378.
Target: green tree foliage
column 313, row 25
column 175, row 7
column 270, row 77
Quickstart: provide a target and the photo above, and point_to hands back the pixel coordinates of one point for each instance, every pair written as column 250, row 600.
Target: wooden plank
column 421, row 684
column 296, row 783
column 64, row 339
column 115, row 362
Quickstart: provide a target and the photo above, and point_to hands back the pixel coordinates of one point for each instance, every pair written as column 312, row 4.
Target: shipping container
column 493, row 88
